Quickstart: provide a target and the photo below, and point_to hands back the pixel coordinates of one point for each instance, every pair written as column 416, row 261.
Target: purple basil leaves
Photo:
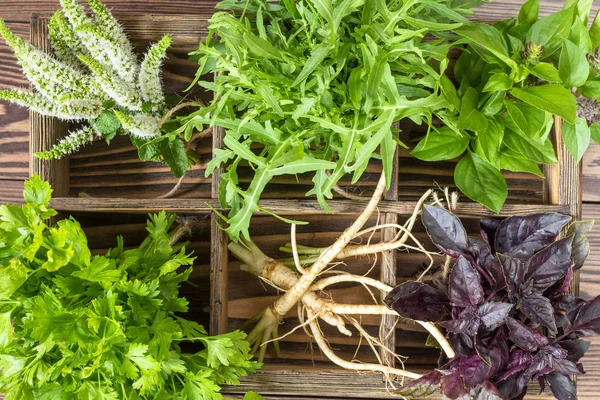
column 507, row 312
column 418, row 301
column 445, row 229
column 520, row 237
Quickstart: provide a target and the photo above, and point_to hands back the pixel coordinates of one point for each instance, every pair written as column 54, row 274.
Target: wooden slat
column 11, row 191
column 46, row 131
column 283, row 207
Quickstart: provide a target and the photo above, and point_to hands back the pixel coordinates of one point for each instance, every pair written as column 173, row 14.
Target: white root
column 301, row 290
column 329, row 353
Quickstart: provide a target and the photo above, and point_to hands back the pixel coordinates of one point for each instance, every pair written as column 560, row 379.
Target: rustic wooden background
column 14, row 128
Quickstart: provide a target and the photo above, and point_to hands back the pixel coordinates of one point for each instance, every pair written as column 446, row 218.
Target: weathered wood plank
column 283, row 207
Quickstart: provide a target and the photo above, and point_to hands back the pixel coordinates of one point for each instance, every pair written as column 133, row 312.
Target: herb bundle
column 73, row 326
column 95, row 76
column 505, row 307
column 513, row 77
column 314, row 86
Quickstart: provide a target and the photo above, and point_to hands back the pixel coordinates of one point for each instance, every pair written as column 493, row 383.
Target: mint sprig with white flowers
column 95, row 76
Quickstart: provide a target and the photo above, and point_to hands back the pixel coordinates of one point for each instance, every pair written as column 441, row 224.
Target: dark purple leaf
column 550, row 264
column 581, row 245
column 493, row 314
column 465, row 285
column 452, row 385
column 493, row 352
column 417, row 301
column 561, row 386
column 521, row 237
column 488, row 231
column 575, row 348
column 445, row 230
column 565, row 310
column 566, row 283
column 489, row 392
column 473, row 370
column 514, row 387
column 461, row 343
column 469, row 326
column 542, row 382
column 587, row 322
column 487, row 261
column 564, row 366
column 538, row 309
column 525, row 337
column 514, row 271
column 422, row 387
column 519, row 361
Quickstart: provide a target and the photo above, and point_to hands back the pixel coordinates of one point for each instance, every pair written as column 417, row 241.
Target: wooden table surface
column 14, row 129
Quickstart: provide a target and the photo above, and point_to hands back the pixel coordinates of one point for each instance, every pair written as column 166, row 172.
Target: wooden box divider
column 561, row 193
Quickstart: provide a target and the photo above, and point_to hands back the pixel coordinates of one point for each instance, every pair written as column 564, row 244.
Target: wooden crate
column 112, row 180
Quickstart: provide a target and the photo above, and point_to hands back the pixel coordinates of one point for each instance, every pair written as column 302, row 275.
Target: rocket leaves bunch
column 313, row 86
column 95, row 76
column 513, row 77
column 77, row 326
column 505, row 307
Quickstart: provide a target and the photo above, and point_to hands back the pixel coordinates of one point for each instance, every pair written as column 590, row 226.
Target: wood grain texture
column 13, row 165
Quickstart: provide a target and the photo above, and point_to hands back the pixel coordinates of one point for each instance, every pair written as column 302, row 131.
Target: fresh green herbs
column 314, row 86
column 73, row 326
column 513, row 78
column 95, row 76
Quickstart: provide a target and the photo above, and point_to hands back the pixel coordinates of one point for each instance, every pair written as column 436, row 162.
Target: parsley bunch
column 313, row 86
column 73, row 326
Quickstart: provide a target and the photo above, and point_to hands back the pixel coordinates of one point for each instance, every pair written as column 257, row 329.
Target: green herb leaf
column 489, row 38
column 576, row 137
column 480, row 181
column 545, row 71
column 573, row 66
column 173, row 153
column 512, row 161
column 529, row 12
column 549, row 31
column 595, row 132
column 542, row 153
column 471, row 118
column 498, row 82
column 552, row 98
column 441, row 144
